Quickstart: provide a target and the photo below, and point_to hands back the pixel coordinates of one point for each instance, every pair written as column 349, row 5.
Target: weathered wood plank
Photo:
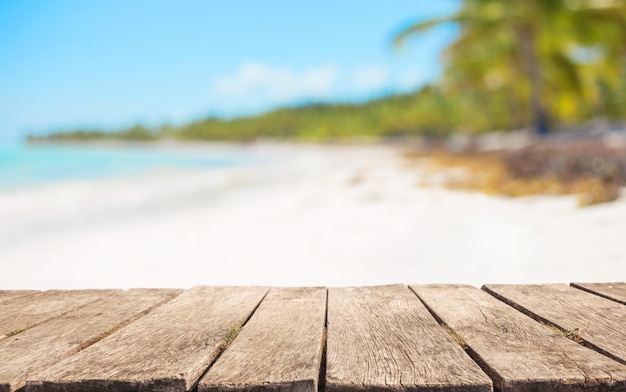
column 383, row 339
column 519, row 353
column 37, row 348
column 28, row 311
column 279, row 349
column 613, row 291
column 167, row 350
column 601, row 323
column 7, row 295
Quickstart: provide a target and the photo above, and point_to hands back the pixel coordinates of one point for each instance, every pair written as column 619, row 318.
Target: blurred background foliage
column 542, row 64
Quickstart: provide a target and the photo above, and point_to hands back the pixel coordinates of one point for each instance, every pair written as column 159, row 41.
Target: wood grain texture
column 27, row 311
column 167, row 350
column 279, row 349
column 613, row 291
column 35, row 349
column 600, row 322
column 519, row 353
column 7, row 295
column 383, row 339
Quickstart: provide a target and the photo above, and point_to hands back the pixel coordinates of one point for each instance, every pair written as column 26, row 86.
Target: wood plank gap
column 580, row 286
column 495, row 378
column 223, row 348
column 46, row 345
column 321, row 382
column 382, row 338
column 526, row 355
column 9, row 295
column 167, row 350
column 124, row 323
column 279, row 350
column 549, row 324
column 28, row 326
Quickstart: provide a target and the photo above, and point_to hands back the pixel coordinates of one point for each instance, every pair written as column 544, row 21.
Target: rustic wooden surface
column 378, row 339
column 6, row 295
column 612, row 291
column 23, row 312
column 28, row 352
column 519, row 353
column 383, row 339
column 598, row 321
column 167, row 350
column 280, row 348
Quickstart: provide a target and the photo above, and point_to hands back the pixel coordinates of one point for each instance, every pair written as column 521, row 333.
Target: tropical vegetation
column 546, row 59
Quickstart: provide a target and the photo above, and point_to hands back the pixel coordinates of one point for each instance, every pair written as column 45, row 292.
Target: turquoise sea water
column 22, row 165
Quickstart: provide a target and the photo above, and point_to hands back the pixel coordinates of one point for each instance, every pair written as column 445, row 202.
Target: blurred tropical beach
column 458, row 142
column 296, row 214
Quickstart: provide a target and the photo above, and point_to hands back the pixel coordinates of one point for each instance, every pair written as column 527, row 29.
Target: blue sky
column 115, row 63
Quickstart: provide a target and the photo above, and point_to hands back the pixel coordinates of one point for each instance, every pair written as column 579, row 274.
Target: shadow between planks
column 379, row 338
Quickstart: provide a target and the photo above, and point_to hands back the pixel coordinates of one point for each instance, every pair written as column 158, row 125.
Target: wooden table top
column 379, row 338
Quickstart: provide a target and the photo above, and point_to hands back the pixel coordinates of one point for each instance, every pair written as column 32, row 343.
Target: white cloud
column 257, row 86
column 369, row 78
column 319, row 81
column 276, row 83
column 410, row 80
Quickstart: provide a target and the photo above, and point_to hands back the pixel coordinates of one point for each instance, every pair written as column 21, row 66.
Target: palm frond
column 421, row 27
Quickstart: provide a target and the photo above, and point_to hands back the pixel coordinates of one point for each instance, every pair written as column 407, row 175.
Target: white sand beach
column 315, row 215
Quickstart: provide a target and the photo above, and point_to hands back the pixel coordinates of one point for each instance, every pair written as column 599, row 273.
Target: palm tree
column 529, row 44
